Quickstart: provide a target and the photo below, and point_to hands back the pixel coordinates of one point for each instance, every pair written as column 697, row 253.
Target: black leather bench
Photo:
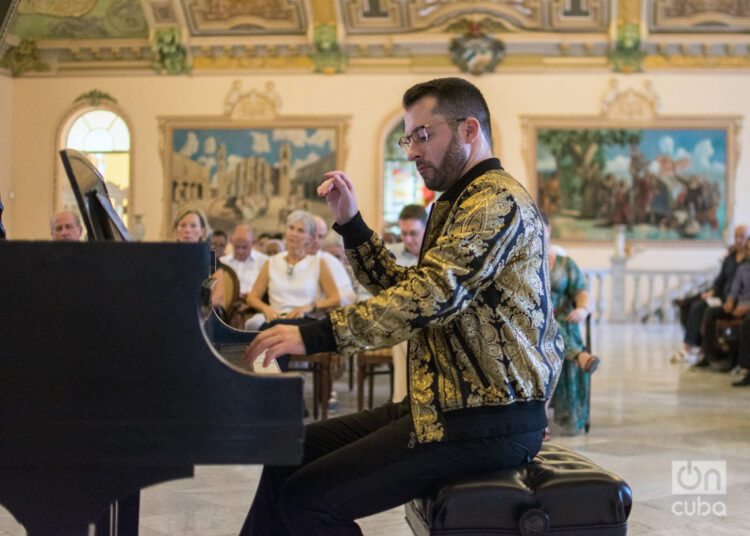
column 561, row 493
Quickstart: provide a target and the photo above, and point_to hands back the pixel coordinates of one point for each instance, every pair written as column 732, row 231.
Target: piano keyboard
column 235, row 354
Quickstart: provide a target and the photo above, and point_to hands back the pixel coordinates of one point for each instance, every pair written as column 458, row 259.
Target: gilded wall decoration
column 57, row 8
column 395, row 16
column 170, row 55
column 328, row 57
column 23, row 58
column 627, row 56
column 474, row 51
column 699, row 16
column 260, row 17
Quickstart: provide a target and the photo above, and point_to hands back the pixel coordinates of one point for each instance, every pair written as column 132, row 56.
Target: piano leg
column 121, row 518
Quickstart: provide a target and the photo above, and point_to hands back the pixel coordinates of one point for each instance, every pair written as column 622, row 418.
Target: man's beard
column 450, row 168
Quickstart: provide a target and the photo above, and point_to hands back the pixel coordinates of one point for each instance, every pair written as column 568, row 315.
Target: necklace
column 289, row 269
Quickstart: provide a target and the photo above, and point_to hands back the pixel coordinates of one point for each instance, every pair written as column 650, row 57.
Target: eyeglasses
column 420, row 134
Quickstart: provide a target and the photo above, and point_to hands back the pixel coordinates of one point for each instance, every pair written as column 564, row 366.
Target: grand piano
column 110, row 377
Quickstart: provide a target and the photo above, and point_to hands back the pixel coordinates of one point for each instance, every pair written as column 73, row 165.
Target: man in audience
column 260, row 244
column 219, row 243
column 244, row 260
column 65, row 226
column 411, row 222
column 338, row 271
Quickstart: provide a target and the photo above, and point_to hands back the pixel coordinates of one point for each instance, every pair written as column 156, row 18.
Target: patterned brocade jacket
column 476, row 308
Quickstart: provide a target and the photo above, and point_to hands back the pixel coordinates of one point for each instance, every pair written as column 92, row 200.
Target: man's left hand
column 279, row 340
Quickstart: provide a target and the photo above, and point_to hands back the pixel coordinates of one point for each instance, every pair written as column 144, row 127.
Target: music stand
column 99, row 216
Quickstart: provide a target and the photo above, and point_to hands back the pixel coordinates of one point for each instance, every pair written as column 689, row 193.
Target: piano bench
column 560, row 493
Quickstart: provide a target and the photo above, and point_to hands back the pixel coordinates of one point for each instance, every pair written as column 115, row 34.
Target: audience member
column 339, row 273
column 412, row 221
column 219, row 243
column 190, row 225
column 244, row 259
column 274, row 246
column 695, row 319
column 570, row 297
column 334, row 245
column 65, row 226
column 260, row 244
column 741, row 306
column 292, row 279
column 736, row 305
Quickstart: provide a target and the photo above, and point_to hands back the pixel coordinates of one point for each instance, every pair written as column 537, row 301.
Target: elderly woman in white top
column 292, row 278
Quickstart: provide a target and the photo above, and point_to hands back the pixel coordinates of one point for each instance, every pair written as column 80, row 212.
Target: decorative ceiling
column 173, row 37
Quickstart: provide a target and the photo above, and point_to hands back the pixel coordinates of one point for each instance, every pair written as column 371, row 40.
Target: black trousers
column 363, row 463
column 744, row 348
column 694, row 321
column 710, row 340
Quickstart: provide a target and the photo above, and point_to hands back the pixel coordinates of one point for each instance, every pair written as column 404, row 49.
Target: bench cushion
column 559, row 493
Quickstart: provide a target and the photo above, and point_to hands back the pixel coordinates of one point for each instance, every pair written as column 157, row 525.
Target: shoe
column 546, row 436
column 677, row 357
column 745, row 380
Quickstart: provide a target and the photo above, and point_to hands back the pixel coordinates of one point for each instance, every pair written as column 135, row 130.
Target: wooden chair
column 320, row 365
column 230, row 292
column 367, row 368
column 727, row 342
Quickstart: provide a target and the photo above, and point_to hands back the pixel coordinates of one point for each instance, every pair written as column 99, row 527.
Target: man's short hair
column 76, row 218
column 413, row 212
column 456, row 98
column 219, row 232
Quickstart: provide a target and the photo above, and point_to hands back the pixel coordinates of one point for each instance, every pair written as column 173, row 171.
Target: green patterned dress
column 571, row 397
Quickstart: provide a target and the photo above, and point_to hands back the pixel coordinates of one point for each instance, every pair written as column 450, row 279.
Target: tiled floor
column 646, row 415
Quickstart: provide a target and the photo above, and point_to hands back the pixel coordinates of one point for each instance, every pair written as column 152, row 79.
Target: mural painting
column 250, row 173
column 660, row 183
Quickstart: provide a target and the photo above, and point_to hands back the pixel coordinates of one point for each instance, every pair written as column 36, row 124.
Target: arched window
column 103, row 135
column 402, row 185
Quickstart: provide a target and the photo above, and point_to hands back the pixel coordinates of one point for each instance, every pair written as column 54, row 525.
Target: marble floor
column 646, row 414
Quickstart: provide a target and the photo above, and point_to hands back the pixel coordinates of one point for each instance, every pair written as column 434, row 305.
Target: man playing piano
column 484, row 353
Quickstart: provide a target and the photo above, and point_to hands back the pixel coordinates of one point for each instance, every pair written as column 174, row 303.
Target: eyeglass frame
column 405, row 141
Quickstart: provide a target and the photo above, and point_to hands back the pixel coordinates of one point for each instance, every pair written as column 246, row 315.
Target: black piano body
column 108, row 382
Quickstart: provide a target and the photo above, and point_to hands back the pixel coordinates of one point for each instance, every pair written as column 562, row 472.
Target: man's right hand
column 339, row 193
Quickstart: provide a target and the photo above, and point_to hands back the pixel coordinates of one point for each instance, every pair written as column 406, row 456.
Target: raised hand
column 339, row 193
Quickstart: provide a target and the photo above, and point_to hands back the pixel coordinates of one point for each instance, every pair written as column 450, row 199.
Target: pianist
column 484, row 353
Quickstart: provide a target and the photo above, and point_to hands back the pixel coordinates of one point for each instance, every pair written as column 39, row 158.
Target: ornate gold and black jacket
column 484, row 352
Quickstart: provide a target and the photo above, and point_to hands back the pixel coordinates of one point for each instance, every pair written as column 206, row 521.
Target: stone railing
column 619, row 294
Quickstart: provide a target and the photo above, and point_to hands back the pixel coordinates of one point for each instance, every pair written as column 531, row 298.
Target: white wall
column 6, row 106
column 39, row 104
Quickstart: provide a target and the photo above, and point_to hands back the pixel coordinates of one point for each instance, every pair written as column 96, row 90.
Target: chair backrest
column 231, row 289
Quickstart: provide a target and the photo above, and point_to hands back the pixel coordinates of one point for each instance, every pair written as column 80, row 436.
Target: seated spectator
column 219, row 244
column 412, row 222
column 292, row 279
column 741, row 308
column 343, row 282
column 274, row 246
column 190, row 225
column 334, row 245
column 694, row 322
column 736, row 305
column 244, row 259
column 65, row 226
column 570, row 298
column 260, row 244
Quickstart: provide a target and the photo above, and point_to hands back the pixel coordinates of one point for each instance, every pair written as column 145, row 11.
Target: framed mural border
column 169, row 124
column 730, row 124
